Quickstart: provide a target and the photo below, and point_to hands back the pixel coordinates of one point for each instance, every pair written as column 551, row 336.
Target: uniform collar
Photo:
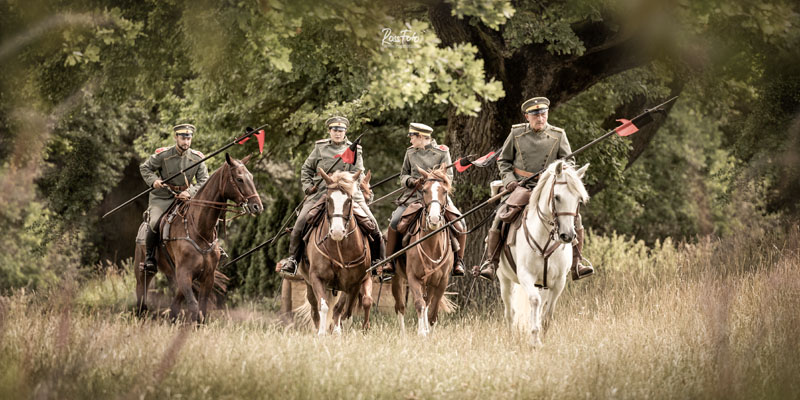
column 344, row 141
column 546, row 127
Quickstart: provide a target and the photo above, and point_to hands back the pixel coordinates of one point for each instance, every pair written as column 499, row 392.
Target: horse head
column 364, row 186
column 339, row 207
column 239, row 186
column 434, row 195
column 558, row 197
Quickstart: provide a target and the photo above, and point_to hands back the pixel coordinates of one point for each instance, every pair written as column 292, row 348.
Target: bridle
column 320, row 243
column 553, row 243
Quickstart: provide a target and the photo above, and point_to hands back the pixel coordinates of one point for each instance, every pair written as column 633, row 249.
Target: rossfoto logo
column 404, row 38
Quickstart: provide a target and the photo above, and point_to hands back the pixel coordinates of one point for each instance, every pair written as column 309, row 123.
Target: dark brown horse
column 337, row 256
column 427, row 266
column 191, row 251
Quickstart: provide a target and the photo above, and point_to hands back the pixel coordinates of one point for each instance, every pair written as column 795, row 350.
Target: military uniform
column 426, row 158
column 525, row 152
column 323, row 156
column 166, row 162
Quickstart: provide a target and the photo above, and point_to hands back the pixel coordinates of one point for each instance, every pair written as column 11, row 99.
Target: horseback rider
column 168, row 161
column 315, row 187
column 529, row 148
column 426, row 154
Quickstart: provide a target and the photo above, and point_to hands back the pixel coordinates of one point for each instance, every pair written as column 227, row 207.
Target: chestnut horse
column 337, row 256
column 191, row 251
column 428, row 265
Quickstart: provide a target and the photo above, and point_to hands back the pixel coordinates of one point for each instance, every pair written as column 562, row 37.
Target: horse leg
column 205, row 292
column 506, row 293
column 555, row 293
column 435, row 302
column 312, row 300
column 319, row 292
column 365, row 294
column 175, row 307
column 528, row 281
column 399, row 294
column 415, row 287
column 183, row 280
column 142, row 280
column 344, row 303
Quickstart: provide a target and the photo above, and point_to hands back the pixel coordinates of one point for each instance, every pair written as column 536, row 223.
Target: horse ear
column 559, row 167
column 422, row 172
column 246, row 159
column 357, row 175
column 325, row 176
column 228, row 160
column 368, row 176
column 582, row 171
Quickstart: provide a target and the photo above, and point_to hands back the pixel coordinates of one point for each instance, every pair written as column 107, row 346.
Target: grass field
column 715, row 319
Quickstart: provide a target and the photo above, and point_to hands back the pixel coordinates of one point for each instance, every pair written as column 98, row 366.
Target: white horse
column 541, row 249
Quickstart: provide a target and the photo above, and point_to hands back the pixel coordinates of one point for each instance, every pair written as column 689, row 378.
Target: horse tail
column 446, row 305
column 521, row 307
column 302, row 314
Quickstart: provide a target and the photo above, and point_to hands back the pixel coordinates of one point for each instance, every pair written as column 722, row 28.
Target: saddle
column 511, row 209
column 163, row 224
column 317, row 213
column 412, row 215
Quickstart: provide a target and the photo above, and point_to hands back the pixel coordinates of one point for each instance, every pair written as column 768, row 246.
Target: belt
column 522, row 173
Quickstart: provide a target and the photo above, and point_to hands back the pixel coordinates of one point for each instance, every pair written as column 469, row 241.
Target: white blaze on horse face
column 435, row 213
column 567, row 203
column 337, row 223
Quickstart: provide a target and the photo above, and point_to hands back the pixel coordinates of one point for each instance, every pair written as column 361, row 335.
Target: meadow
column 717, row 318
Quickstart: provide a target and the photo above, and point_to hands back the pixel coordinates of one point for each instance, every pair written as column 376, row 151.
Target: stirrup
column 589, row 270
column 148, row 268
column 487, row 270
column 289, row 266
column 458, row 268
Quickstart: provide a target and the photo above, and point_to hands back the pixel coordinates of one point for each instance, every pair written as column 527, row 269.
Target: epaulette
column 323, row 141
column 198, row 153
column 160, row 149
column 519, row 125
column 443, row 147
column 557, row 129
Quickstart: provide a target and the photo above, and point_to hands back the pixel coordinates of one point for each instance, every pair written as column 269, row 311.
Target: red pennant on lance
column 627, row 128
column 351, row 154
column 462, row 164
column 487, row 159
column 260, row 135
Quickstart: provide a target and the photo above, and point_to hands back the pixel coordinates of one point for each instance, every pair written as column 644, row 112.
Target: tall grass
column 714, row 319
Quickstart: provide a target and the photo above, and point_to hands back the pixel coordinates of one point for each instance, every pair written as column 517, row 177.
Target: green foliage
column 491, row 13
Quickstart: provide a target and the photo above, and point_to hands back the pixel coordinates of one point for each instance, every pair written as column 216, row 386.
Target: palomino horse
column 338, row 256
column 541, row 250
column 428, row 265
column 191, row 251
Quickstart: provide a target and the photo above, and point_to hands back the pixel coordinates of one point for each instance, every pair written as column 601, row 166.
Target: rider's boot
column 377, row 249
column 392, row 240
column 151, row 243
column 579, row 271
column 459, row 242
column 493, row 245
column 295, row 253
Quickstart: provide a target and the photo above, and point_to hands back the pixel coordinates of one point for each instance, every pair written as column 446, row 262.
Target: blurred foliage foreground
column 714, row 319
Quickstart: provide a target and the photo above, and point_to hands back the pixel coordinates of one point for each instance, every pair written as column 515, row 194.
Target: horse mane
column 212, row 181
column 341, row 180
column 440, row 173
column 569, row 173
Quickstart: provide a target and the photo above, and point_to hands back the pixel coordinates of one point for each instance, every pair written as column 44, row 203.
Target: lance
column 283, row 230
column 245, row 136
column 628, row 127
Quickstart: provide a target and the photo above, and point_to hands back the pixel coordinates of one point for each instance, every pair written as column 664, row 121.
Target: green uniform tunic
column 167, row 161
column 323, row 157
column 530, row 151
column 428, row 157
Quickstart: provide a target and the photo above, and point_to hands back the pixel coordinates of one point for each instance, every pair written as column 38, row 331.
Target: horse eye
column 557, row 198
